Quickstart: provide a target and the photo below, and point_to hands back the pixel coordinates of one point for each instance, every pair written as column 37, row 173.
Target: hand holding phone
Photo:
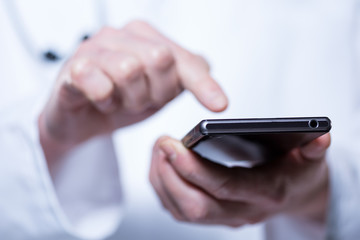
column 200, row 191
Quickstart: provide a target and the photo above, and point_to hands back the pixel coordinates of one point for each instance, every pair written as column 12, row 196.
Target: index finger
column 193, row 70
column 195, row 77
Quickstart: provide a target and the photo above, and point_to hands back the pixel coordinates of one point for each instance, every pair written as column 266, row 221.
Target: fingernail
column 169, row 151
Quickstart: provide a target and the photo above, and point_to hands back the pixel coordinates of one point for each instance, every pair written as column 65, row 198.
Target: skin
column 117, row 78
column 199, row 191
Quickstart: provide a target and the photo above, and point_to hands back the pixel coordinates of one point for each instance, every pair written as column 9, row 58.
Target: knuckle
column 80, row 69
column 128, row 69
column 82, row 77
column 161, row 57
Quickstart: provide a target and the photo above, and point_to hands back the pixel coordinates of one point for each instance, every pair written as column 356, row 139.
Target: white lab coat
column 273, row 58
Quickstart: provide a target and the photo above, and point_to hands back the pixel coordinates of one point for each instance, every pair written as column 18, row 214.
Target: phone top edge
column 265, row 125
column 193, row 136
column 203, row 126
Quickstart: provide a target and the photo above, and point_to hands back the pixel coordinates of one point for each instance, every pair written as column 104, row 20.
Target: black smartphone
column 253, row 141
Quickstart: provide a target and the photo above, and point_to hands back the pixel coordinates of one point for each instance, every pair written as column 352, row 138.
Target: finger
column 87, row 78
column 69, row 97
column 316, row 149
column 231, row 184
column 196, row 78
column 194, row 205
column 160, row 69
column 165, row 199
column 193, row 70
column 157, row 59
column 127, row 73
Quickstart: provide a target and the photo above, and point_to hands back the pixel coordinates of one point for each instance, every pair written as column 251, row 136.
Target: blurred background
column 273, row 58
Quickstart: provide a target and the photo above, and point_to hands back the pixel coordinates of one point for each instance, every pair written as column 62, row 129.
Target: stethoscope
column 49, row 54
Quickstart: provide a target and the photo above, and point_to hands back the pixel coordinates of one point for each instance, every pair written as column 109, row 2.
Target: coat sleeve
column 81, row 200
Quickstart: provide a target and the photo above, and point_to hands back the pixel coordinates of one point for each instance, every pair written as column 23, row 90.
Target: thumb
column 316, row 149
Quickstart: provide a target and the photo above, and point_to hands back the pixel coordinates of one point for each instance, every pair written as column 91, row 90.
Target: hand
column 117, row 78
column 197, row 190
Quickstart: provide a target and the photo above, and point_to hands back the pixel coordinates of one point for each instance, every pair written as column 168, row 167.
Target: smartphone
column 253, row 141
